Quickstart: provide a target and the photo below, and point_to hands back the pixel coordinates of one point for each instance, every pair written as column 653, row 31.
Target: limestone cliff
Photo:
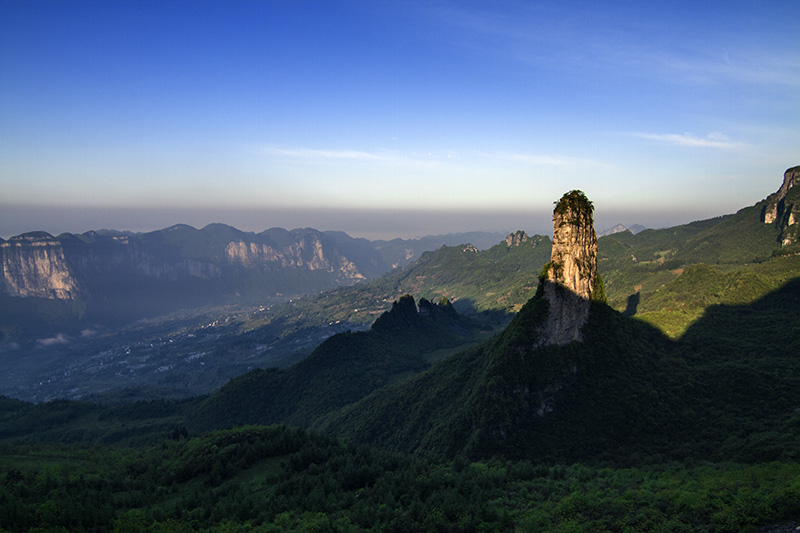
column 783, row 207
column 306, row 253
column 570, row 280
column 34, row 266
column 120, row 256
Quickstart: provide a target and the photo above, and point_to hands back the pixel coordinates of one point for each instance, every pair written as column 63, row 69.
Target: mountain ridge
column 119, row 276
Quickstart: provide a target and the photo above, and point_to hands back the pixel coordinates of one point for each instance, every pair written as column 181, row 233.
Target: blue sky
column 391, row 118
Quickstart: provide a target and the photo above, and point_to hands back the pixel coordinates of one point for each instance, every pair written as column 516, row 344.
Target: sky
column 391, row 119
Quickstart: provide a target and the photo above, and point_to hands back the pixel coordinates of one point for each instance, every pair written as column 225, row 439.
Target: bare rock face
column 34, row 266
column 307, row 253
column 570, row 280
column 783, row 207
column 516, row 239
column 521, row 239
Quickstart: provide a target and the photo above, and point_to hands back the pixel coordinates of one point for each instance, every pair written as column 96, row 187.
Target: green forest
column 279, row 478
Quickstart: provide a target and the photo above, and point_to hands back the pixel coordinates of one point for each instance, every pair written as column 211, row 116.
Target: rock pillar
column 570, row 279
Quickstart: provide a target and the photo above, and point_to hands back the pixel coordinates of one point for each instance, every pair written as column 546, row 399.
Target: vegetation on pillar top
column 576, row 202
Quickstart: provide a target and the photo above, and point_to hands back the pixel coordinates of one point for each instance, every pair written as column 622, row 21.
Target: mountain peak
column 570, row 280
column 790, row 178
column 405, row 314
column 516, row 239
column 619, row 228
column 783, row 207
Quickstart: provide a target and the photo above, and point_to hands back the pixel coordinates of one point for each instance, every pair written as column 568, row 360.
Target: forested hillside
column 284, row 479
column 342, row 370
column 739, row 258
column 725, row 390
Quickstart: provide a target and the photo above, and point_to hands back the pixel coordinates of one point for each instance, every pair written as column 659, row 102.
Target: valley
column 56, row 348
column 179, row 356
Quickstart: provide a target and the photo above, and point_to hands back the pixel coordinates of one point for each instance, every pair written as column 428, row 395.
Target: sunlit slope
column 669, row 276
column 677, row 304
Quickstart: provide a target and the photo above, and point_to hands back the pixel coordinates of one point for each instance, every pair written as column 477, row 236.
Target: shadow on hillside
column 632, row 305
column 494, row 317
column 726, row 390
column 773, row 317
column 744, row 372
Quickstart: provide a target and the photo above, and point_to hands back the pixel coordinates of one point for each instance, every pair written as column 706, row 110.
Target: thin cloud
column 605, row 41
column 548, row 160
column 385, row 157
column 712, row 140
column 439, row 160
column 309, row 153
column 763, row 68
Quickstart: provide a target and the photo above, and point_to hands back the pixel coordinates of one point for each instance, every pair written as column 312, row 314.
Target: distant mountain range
column 51, row 283
column 619, row 228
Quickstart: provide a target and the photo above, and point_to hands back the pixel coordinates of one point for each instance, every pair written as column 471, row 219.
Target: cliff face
column 783, row 207
column 308, row 253
column 570, row 279
column 34, row 266
column 122, row 256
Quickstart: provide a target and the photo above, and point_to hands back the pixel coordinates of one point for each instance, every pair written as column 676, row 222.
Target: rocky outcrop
column 570, row 280
column 520, row 238
column 516, row 239
column 307, row 253
column 34, row 266
column 405, row 315
column 783, row 207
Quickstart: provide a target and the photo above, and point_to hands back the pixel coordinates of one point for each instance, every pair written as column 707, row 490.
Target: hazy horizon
column 351, row 115
column 383, row 224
